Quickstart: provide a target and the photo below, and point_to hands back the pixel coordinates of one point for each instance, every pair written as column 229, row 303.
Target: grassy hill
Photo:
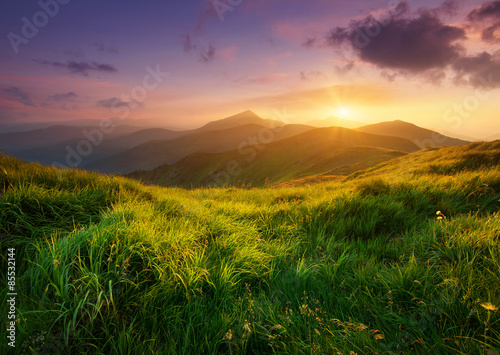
column 331, row 151
column 402, row 258
column 421, row 136
column 271, row 166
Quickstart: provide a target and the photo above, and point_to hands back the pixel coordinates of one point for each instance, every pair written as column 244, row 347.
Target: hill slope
column 365, row 263
column 420, row 136
column 335, row 150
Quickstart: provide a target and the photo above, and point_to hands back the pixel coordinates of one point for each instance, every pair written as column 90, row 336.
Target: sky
column 180, row 64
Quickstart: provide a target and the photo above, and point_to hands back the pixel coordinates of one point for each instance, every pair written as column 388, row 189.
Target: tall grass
column 108, row 266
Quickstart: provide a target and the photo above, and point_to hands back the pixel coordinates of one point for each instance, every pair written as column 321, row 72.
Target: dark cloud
column 62, row 101
column 449, row 7
column 207, row 55
column 488, row 10
column 489, row 33
column 402, row 42
column 15, row 94
column 487, row 18
column 482, row 70
column 63, row 97
column 81, row 68
column 101, row 47
column 115, row 102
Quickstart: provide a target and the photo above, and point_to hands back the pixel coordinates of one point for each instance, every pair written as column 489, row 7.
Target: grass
column 363, row 265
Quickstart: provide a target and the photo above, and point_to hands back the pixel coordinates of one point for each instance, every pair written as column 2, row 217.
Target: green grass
column 363, row 265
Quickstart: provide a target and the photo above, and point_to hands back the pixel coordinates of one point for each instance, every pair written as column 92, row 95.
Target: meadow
column 402, row 258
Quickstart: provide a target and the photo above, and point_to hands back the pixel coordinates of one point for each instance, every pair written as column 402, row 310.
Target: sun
column 342, row 112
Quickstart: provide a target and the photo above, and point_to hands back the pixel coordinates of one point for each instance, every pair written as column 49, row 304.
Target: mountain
column 158, row 152
column 240, row 119
column 334, row 151
column 334, row 122
column 420, row 136
column 21, row 141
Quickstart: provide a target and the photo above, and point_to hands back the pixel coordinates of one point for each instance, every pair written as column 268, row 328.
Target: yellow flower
column 489, row 306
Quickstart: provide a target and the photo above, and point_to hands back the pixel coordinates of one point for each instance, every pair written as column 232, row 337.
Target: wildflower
column 489, row 306
column 55, row 263
column 229, row 335
column 440, row 215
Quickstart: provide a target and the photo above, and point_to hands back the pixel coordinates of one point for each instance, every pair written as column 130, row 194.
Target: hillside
column 155, row 153
column 418, row 135
column 400, row 258
column 271, row 166
column 333, row 151
column 20, row 141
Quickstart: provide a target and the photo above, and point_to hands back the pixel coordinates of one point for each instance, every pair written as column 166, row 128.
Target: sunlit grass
column 363, row 266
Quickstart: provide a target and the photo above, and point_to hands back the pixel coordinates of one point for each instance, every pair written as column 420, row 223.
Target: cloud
column 15, row 94
column 488, row 10
column 487, row 18
column 481, row 70
column 101, row 47
column 63, row 97
column 115, row 102
column 306, row 76
column 207, row 55
column 449, row 7
column 81, row 68
column 62, row 101
column 402, row 42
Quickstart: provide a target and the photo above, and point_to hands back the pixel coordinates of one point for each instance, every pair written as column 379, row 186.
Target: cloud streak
column 114, row 102
column 15, row 94
column 80, row 68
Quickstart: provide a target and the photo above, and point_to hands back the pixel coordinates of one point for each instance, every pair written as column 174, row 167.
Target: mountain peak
column 240, row 119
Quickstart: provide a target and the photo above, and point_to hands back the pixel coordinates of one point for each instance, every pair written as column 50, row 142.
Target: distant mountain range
column 158, row 152
column 241, row 148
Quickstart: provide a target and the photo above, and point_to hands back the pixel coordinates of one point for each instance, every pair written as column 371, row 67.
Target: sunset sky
column 433, row 64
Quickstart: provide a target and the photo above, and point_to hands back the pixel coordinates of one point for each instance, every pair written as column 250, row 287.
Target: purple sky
column 435, row 64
